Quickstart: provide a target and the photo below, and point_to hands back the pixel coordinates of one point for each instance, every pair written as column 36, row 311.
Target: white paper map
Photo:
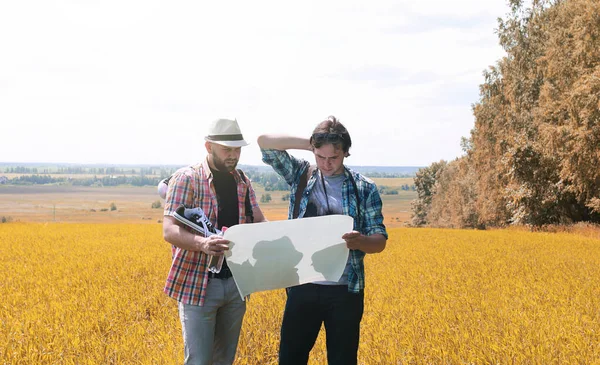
column 279, row 254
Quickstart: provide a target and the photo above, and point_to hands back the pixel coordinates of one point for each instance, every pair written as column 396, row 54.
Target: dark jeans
column 306, row 308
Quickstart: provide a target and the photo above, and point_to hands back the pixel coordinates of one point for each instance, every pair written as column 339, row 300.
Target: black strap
column 249, row 212
column 358, row 216
column 301, row 186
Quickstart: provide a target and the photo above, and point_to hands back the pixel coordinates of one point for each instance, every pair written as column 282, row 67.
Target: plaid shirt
column 193, row 187
column 370, row 222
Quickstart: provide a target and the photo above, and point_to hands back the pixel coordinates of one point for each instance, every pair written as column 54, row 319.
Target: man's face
column 330, row 160
column 222, row 157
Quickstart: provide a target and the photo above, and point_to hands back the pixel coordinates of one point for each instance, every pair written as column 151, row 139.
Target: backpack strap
column 301, row 186
column 358, row 215
column 249, row 212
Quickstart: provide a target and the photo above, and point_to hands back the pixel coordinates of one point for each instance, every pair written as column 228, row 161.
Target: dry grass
column 91, row 294
column 582, row 228
column 53, row 203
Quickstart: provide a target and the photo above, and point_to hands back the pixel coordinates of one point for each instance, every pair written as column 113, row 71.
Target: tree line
column 74, row 170
column 533, row 156
column 269, row 179
column 141, row 176
column 91, row 181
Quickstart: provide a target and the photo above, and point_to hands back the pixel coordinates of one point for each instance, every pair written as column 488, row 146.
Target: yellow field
column 92, row 294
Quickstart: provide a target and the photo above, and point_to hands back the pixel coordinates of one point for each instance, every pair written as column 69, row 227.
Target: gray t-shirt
column 326, row 199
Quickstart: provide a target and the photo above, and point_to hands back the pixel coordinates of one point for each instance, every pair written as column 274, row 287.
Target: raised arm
column 283, row 142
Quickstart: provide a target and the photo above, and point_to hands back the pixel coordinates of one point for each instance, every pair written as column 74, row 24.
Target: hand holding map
column 279, row 254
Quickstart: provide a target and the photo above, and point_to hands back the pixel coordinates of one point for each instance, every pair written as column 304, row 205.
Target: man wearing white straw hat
column 210, row 308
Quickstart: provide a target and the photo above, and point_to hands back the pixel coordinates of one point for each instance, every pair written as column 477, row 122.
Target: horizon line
column 166, row 164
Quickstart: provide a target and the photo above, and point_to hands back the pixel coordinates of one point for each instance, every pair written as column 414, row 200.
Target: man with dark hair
column 210, row 308
column 328, row 188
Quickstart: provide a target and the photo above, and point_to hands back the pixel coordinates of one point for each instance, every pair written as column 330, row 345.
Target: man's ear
column 208, row 146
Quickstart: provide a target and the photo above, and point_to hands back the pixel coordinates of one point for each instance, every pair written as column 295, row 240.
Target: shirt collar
column 206, row 169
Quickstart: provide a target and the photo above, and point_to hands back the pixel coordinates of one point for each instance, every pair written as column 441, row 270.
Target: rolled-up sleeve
column 283, row 163
column 179, row 193
column 373, row 217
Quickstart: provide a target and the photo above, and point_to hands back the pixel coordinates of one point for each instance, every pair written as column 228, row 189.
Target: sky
column 138, row 82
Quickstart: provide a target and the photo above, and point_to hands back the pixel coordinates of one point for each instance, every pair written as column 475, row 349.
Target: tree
column 453, row 204
column 532, row 157
column 425, row 180
column 265, row 198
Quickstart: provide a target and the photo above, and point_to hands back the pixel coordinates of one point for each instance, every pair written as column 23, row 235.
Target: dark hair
column 333, row 132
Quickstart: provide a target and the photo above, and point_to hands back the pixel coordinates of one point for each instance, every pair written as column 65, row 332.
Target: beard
column 227, row 165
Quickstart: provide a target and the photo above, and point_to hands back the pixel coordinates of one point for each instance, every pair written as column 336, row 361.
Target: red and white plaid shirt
column 193, row 187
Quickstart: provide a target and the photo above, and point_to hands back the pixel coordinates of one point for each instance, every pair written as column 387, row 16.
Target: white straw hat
column 225, row 132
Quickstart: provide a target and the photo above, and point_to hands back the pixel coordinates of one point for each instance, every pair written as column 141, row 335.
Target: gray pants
column 211, row 332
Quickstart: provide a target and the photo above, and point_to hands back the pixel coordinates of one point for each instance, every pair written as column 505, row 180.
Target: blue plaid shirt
column 371, row 218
